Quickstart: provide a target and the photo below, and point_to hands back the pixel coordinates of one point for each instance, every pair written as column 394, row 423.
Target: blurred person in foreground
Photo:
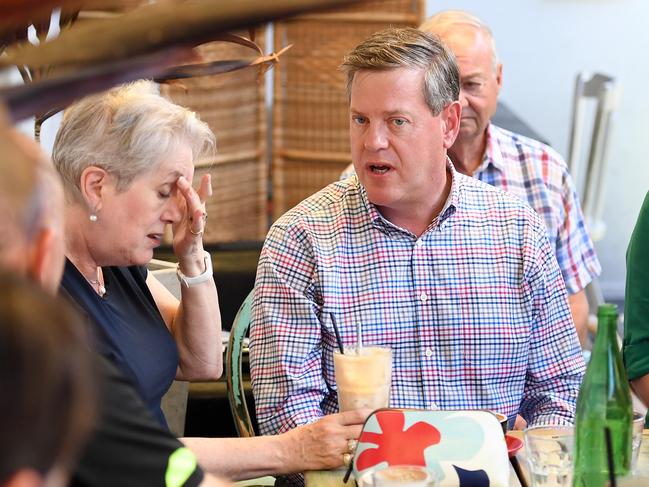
column 47, row 405
column 636, row 307
column 455, row 276
column 47, row 375
column 126, row 157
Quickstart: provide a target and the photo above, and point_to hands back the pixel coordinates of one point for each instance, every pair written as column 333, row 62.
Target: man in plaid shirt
column 519, row 165
column 457, row 277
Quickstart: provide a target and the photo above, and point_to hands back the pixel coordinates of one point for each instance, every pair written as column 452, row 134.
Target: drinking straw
column 342, row 352
column 340, row 342
column 609, row 456
column 348, row 472
column 359, row 338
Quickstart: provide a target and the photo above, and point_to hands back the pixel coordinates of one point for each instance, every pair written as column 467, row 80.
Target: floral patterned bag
column 463, row 448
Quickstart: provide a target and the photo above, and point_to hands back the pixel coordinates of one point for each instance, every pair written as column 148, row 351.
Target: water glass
column 399, row 476
column 638, row 427
column 549, row 451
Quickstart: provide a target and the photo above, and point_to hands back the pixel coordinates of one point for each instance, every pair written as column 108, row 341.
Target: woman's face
column 133, row 221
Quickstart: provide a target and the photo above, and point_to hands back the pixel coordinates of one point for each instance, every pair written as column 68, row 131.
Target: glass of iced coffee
column 363, row 377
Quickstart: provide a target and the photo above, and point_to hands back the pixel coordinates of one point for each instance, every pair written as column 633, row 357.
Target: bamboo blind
column 233, row 105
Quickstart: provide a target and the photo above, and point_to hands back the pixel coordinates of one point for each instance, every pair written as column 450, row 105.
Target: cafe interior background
column 543, row 44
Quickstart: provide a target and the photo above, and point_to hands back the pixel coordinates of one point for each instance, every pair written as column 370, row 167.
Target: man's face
column 480, row 80
column 398, row 146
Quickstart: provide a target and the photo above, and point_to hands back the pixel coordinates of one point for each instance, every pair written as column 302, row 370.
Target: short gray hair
column 127, row 131
column 445, row 20
column 406, row 47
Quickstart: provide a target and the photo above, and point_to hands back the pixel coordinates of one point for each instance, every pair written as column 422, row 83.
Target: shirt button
column 423, row 297
column 429, row 352
column 419, row 243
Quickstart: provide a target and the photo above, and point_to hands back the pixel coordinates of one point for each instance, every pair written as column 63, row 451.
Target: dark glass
column 604, row 401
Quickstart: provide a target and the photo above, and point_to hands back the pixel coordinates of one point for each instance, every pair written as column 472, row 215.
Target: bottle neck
column 606, row 331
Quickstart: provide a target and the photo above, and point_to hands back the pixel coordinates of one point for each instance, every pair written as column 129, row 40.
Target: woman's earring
column 93, row 215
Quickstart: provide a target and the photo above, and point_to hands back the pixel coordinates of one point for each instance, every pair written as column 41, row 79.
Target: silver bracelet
column 205, row 276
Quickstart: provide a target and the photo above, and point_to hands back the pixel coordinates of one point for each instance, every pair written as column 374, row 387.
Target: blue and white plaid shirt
column 475, row 309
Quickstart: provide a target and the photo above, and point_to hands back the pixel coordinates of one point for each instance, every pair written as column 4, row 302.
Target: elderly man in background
column 522, row 166
column 455, row 276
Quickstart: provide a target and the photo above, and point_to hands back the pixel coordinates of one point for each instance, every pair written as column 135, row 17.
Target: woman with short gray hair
column 127, row 158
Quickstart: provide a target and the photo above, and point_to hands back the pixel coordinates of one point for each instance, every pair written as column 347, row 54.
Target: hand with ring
column 327, row 443
column 188, row 231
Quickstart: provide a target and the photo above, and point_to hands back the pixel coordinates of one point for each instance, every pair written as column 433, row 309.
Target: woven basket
column 233, row 105
column 310, row 110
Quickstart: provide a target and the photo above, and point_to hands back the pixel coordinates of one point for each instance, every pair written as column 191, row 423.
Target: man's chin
column 468, row 130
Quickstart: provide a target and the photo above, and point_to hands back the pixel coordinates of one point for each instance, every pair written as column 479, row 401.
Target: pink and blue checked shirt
column 475, row 310
column 537, row 174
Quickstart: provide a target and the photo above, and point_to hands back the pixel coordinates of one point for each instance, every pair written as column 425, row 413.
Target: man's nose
column 464, row 102
column 376, row 137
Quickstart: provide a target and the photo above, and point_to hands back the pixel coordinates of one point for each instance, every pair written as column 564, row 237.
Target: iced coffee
column 363, row 377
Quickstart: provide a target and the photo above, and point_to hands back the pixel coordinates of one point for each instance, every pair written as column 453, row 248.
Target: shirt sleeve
column 636, row 300
column 128, row 447
column 285, row 334
column 556, row 366
column 574, row 248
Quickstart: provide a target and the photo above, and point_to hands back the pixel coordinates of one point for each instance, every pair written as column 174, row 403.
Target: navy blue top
column 128, row 329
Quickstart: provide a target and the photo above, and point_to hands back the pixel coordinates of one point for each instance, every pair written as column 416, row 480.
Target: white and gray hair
column 443, row 21
column 126, row 131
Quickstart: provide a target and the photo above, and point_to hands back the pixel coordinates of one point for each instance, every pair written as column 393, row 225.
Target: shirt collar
column 448, row 209
column 493, row 154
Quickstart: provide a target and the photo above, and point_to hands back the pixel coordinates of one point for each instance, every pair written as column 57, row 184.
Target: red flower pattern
column 396, row 446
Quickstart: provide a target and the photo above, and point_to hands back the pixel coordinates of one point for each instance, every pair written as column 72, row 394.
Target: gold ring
column 195, row 233
column 351, row 445
column 347, row 459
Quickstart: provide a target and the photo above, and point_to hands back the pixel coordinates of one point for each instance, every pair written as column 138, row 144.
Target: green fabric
column 636, row 300
column 180, row 467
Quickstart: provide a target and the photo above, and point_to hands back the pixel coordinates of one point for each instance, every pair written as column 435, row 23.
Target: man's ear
column 91, row 183
column 499, row 76
column 451, row 123
column 45, row 263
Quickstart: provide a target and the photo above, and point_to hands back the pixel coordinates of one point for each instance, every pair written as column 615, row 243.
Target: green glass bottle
column 604, row 400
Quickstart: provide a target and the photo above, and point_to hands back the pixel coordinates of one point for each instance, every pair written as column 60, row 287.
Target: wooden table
column 334, row 478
